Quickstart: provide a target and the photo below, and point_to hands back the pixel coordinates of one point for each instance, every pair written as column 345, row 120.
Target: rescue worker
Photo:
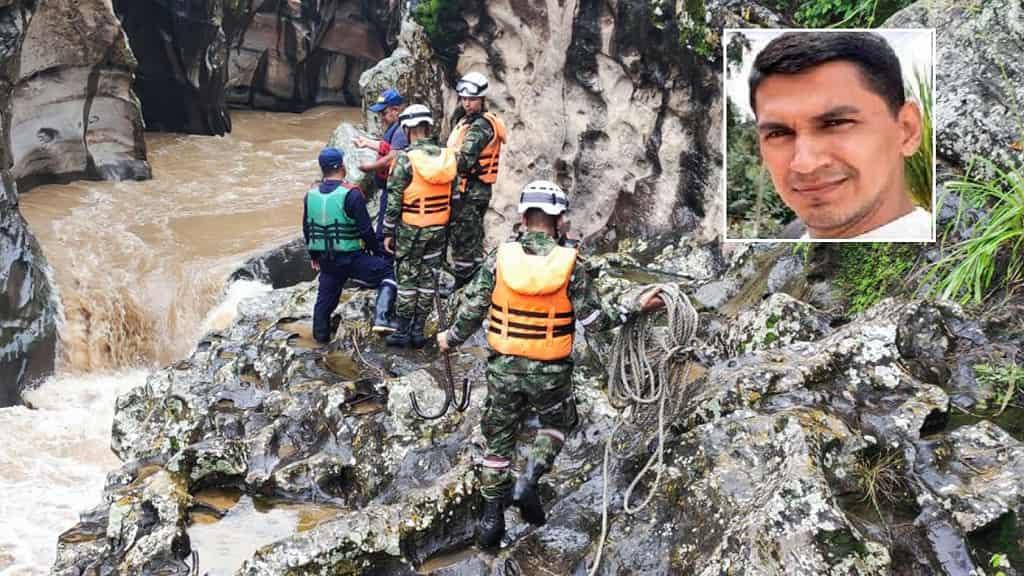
column 388, row 106
column 419, row 206
column 342, row 246
column 477, row 138
column 533, row 290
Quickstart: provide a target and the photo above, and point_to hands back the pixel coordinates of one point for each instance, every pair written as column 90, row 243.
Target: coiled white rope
column 639, row 378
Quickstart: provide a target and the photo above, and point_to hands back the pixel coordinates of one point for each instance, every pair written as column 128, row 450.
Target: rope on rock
column 639, row 377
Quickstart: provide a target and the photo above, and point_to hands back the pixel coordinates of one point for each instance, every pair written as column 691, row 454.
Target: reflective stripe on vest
column 330, row 228
column 427, row 199
column 531, row 314
column 486, row 169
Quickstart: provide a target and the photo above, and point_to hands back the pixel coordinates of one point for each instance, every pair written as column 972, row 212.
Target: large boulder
column 72, row 112
column 28, row 309
column 980, row 76
column 182, row 52
column 298, row 54
column 771, row 458
column 197, row 58
column 610, row 100
column 413, row 70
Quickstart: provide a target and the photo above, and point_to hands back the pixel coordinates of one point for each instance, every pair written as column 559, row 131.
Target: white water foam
column 221, row 317
column 56, row 455
column 53, row 463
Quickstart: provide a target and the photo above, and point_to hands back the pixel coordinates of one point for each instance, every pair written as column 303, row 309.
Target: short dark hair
column 538, row 217
column 794, row 52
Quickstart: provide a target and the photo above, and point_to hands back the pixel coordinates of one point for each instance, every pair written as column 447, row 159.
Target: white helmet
column 472, row 85
column 415, row 115
column 544, row 195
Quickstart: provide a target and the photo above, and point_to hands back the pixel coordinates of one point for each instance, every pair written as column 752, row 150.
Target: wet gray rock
column 412, row 69
column 766, row 457
column 976, row 473
column 923, row 341
column 182, row 53
column 72, row 112
column 746, row 477
column 980, row 72
column 197, row 58
column 777, row 322
column 141, row 530
column 284, row 266
column 299, row 54
column 28, row 308
column 342, row 138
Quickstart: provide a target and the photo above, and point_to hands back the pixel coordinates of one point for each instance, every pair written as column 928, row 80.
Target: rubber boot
column 526, row 494
column 399, row 337
column 491, row 528
column 416, row 338
column 385, row 300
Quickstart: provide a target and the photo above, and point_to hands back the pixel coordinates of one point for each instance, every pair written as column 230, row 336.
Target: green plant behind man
column 995, row 250
column 919, row 167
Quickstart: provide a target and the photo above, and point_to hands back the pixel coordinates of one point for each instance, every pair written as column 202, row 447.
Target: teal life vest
column 330, row 228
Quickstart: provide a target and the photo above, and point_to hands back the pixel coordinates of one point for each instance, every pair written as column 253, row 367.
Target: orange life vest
column 486, row 169
column 531, row 315
column 427, row 199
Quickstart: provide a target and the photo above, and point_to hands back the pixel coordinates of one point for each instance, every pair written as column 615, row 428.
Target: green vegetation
column 838, row 13
column 918, row 168
column 1006, row 380
column 997, row 561
column 445, row 28
column 866, row 273
column 1000, row 542
column 881, row 478
column 968, row 270
column 433, row 14
column 694, row 33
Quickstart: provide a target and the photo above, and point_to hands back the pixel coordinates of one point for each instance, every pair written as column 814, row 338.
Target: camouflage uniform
column 466, row 236
column 419, row 251
column 515, row 384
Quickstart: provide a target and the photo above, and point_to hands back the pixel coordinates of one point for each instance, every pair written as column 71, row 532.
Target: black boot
column 416, row 338
column 491, row 528
column 385, row 300
column 526, row 494
column 399, row 337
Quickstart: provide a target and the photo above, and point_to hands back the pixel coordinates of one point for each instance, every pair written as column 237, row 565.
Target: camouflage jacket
column 478, row 136
column 400, row 178
column 589, row 309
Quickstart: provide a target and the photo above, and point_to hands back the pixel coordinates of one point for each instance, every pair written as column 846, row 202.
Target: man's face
column 471, row 104
column 833, row 148
column 390, row 115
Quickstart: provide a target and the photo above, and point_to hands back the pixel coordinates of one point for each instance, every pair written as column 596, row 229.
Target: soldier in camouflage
column 419, row 205
column 477, row 138
column 532, row 290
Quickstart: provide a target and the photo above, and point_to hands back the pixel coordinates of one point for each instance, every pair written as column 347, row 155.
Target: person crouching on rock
column 341, row 245
column 532, row 290
column 419, row 205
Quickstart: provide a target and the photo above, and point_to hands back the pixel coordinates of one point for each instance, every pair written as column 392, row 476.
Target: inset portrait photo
column 829, row 135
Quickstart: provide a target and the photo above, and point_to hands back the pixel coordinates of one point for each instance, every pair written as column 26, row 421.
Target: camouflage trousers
column 419, row 252
column 511, row 397
column 466, row 233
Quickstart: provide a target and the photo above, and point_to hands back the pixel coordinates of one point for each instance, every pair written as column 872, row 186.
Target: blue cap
column 390, row 97
column 331, row 159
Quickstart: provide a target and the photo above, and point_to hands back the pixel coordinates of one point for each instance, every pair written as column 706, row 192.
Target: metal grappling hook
column 449, row 385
